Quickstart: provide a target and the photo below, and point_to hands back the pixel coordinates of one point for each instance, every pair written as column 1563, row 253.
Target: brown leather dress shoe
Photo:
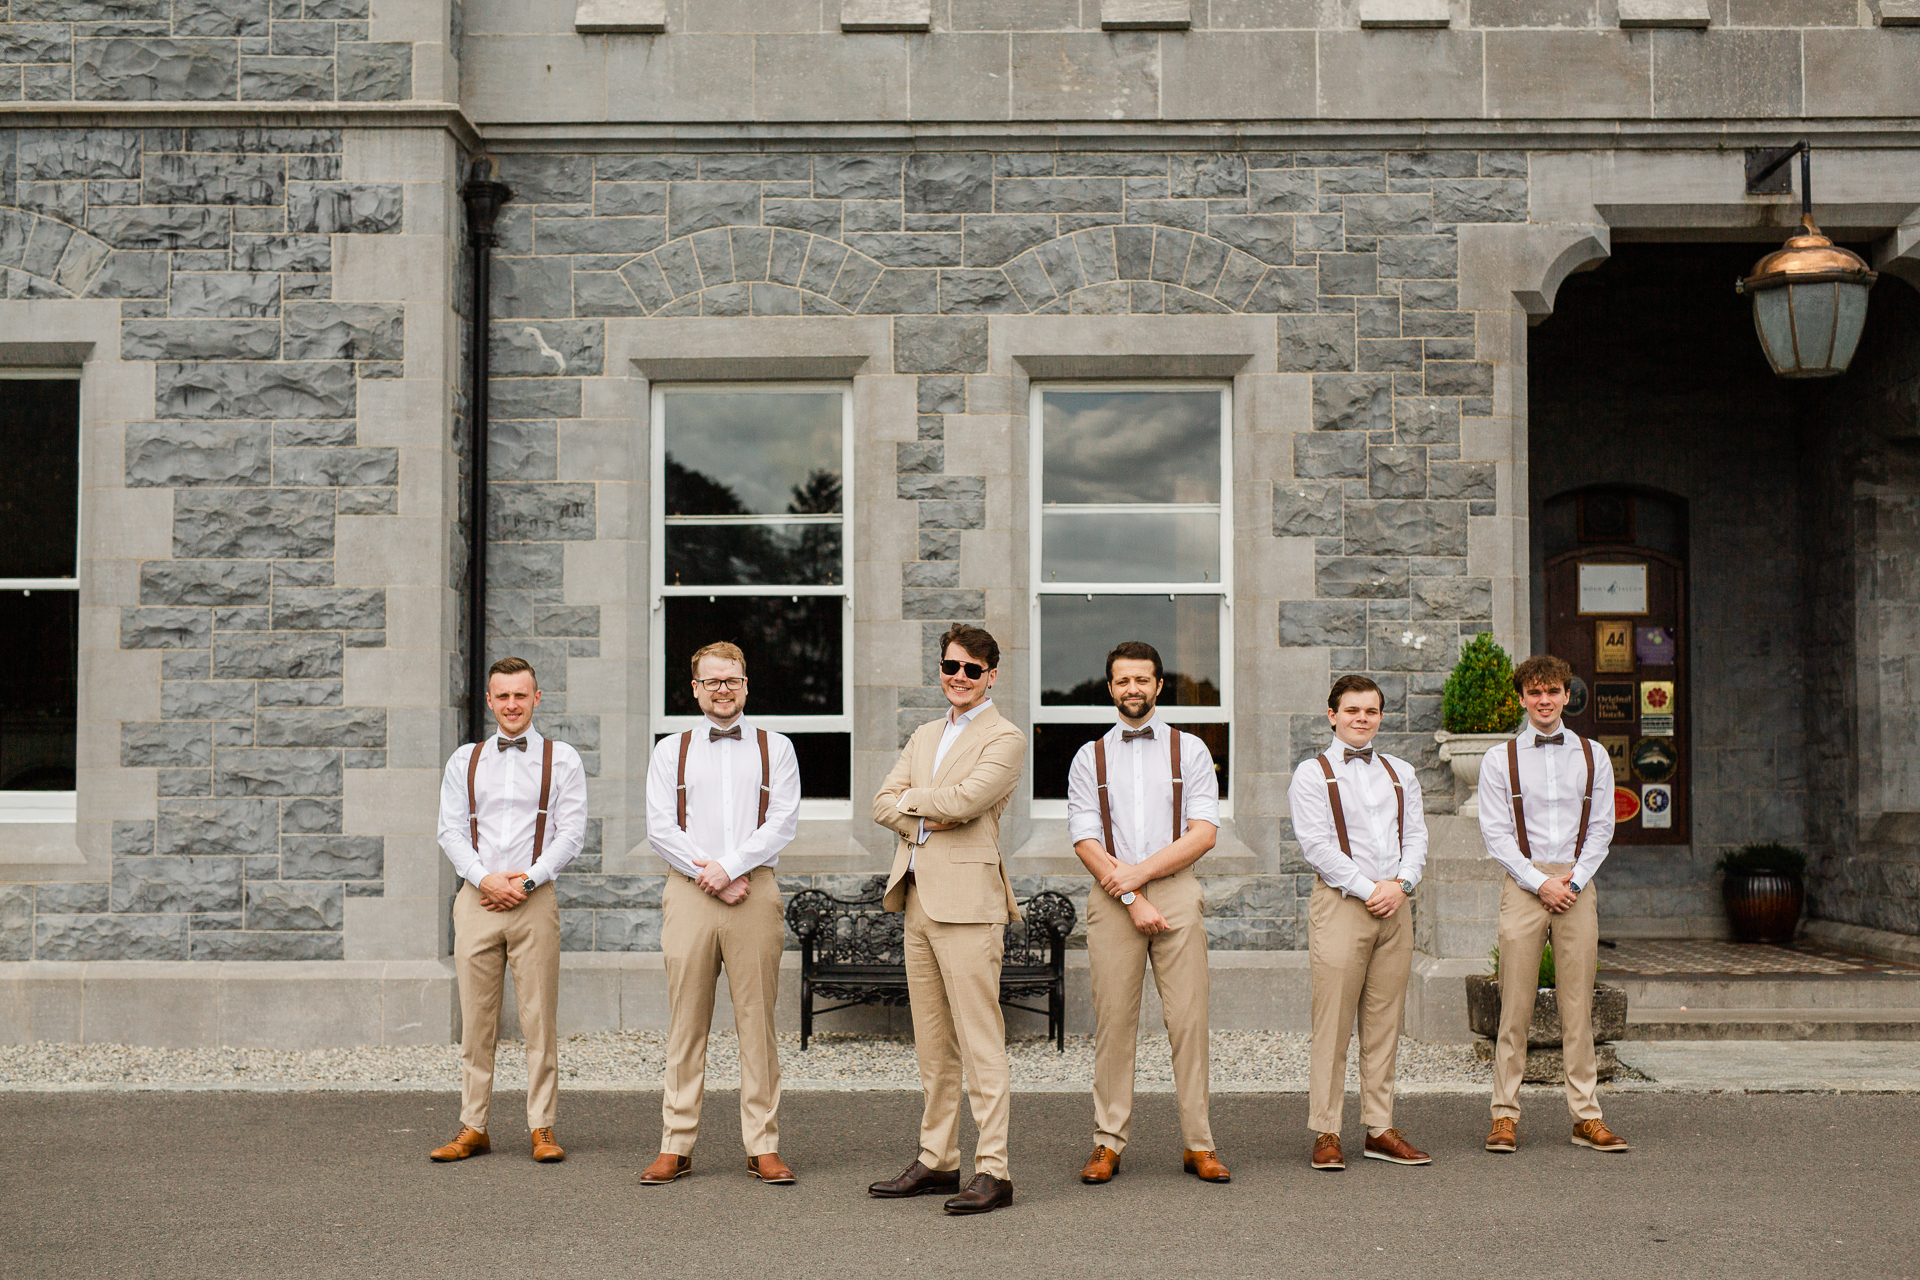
column 1393, row 1145
column 1504, row 1137
column 1206, row 1166
column 770, row 1168
column 545, row 1149
column 1101, row 1165
column 1326, row 1152
column 916, row 1180
column 984, row 1193
column 468, row 1142
column 1592, row 1133
column 665, row 1169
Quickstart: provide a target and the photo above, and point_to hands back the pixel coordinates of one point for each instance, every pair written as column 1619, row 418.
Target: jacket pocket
column 973, row 851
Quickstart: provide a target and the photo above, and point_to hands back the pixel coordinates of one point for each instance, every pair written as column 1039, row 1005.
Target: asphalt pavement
column 211, row 1184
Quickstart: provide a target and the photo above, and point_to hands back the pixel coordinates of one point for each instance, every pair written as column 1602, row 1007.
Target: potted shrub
column 1764, row 887
column 1480, row 710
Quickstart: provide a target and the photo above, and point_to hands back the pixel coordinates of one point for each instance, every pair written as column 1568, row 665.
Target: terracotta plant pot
column 1763, row 906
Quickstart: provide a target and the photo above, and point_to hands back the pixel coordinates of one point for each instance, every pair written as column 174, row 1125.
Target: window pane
column 725, row 555
column 1054, row 746
column 793, row 650
column 40, row 486
column 1076, row 634
column 1129, row 548
column 752, row 453
column 37, row 718
column 1131, row 446
column 826, row 764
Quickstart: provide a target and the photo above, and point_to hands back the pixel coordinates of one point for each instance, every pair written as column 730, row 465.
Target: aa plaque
column 1616, row 749
column 1613, row 647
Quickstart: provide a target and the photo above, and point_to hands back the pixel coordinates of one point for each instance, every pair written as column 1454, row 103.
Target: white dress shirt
column 723, row 801
column 1380, row 852
column 1140, row 792
column 1551, row 779
column 949, row 734
column 506, row 791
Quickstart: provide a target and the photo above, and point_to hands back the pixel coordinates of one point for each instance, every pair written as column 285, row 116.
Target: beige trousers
column 1525, row 926
column 1360, row 967
column 953, row 984
column 1117, row 956
column 700, row 935
column 484, row 944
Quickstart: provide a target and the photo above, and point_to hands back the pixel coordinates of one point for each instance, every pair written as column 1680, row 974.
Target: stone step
column 1784, row 1022
column 1785, row 991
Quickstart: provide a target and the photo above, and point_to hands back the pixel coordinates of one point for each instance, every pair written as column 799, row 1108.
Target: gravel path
column 1242, row 1061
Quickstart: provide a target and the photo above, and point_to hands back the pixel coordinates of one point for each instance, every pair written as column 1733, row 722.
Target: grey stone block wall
column 199, row 51
column 217, row 243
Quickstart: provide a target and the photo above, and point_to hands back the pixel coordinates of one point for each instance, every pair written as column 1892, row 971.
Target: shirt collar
column 1154, row 722
column 966, row 718
column 1337, row 749
column 739, row 720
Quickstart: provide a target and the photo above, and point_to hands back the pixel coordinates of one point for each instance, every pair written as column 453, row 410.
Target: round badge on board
column 1655, row 759
column 1626, row 805
column 1576, row 696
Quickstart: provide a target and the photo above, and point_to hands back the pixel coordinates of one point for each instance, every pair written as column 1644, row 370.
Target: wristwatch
column 1406, row 887
column 1126, row 899
column 527, row 884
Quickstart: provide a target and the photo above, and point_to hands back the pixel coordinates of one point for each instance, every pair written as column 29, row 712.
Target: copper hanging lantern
column 1810, row 296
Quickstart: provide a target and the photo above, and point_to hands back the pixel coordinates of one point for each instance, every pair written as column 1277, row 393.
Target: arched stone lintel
column 1521, row 266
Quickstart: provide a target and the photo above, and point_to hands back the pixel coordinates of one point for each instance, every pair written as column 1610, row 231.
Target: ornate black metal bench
column 851, row 951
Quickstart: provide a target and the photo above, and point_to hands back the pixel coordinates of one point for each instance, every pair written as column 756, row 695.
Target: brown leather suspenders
column 546, row 793
column 1520, row 813
column 1339, row 811
column 766, row 778
column 1100, row 778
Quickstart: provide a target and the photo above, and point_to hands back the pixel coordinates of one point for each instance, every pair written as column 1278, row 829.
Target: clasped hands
column 501, row 891
column 1556, row 893
column 1386, row 899
column 1121, row 878
column 714, row 881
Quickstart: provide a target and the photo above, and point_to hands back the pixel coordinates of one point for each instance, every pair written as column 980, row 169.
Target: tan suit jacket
column 959, row 873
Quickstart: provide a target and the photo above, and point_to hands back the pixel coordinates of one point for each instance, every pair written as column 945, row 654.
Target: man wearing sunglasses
column 722, row 801
column 944, row 798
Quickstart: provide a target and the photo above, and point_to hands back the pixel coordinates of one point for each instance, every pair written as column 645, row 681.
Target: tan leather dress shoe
column 545, row 1149
column 1504, row 1137
column 1593, row 1133
column 665, row 1169
column 770, row 1168
column 1206, row 1166
column 1393, row 1146
column 468, row 1142
column 1326, row 1152
column 1100, row 1166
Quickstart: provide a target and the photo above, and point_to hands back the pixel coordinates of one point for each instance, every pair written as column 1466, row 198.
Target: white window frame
column 1222, row 590
column 49, row 806
column 662, row 723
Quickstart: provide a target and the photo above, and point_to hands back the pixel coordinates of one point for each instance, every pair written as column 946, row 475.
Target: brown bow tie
column 1549, row 739
column 1353, row 755
column 516, row 744
column 714, row 735
column 1128, row 735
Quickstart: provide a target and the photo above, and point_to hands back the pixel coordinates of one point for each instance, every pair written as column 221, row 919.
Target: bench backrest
column 854, row 929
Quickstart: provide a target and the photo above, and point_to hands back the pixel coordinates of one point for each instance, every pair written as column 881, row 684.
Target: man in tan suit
column 944, row 797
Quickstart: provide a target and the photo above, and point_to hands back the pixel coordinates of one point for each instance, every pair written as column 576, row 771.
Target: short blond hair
column 724, row 650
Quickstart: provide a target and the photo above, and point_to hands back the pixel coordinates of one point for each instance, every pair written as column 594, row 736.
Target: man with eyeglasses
column 722, row 801
column 944, row 798
column 513, row 812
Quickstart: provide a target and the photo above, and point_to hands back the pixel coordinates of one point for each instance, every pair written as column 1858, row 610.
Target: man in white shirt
column 1143, row 805
column 513, row 812
column 1357, row 814
column 722, row 801
column 1550, row 832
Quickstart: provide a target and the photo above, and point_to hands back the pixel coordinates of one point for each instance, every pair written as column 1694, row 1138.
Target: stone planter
column 1763, row 906
column 1465, row 751
column 1544, row 1065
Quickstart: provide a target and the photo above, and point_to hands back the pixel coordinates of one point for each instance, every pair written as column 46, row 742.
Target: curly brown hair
column 1542, row 669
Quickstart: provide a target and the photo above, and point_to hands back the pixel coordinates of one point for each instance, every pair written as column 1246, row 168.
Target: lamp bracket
column 1768, row 174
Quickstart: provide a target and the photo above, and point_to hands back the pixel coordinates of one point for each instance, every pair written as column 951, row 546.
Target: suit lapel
column 974, row 732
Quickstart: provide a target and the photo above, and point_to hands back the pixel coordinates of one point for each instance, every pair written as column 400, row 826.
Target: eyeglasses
column 949, row 667
column 733, row 684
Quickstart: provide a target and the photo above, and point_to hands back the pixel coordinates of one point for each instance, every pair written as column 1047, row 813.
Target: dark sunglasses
column 950, row 667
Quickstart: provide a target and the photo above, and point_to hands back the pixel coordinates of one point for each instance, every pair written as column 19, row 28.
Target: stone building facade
column 239, row 224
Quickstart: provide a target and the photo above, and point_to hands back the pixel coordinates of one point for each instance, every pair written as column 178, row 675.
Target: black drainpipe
column 484, row 196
